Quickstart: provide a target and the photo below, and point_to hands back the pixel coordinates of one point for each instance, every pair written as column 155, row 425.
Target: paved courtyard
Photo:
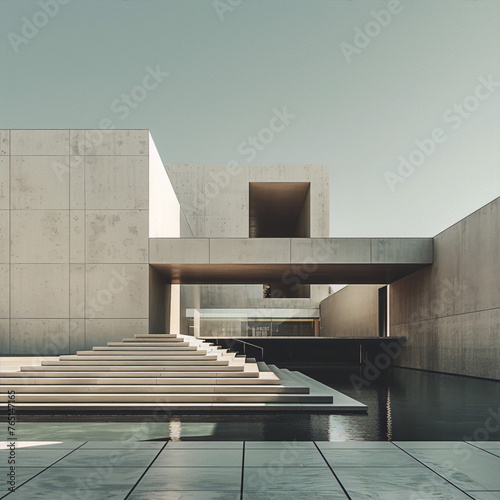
column 252, row 470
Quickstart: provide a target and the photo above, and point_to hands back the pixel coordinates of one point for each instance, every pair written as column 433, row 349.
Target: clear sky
column 366, row 87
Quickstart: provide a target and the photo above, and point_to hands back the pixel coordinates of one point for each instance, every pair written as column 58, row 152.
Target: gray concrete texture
column 450, row 312
column 350, row 312
column 73, row 238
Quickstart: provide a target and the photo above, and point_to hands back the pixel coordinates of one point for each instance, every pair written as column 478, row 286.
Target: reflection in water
column 402, row 405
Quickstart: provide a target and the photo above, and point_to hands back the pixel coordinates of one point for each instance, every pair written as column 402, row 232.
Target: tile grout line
column 432, row 470
column 332, row 471
column 46, row 468
column 242, row 471
column 145, row 471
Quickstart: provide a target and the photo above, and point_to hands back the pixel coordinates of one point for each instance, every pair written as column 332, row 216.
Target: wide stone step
column 130, row 357
column 168, row 398
column 156, row 336
column 36, row 379
column 138, row 362
column 128, row 373
column 133, row 368
column 169, row 345
column 153, row 340
column 163, row 388
column 133, row 348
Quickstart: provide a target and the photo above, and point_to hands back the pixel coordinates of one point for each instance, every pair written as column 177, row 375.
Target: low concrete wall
column 351, row 312
column 450, row 312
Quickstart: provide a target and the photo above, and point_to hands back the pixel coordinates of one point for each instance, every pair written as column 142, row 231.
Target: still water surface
column 402, row 404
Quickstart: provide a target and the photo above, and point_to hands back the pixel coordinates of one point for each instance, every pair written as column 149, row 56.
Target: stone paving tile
column 68, row 484
column 289, row 445
column 124, row 445
column 185, row 495
column 369, row 458
column 301, row 457
column 261, row 479
column 103, row 459
column 191, row 479
column 293, row 495
column 199, row 458
column 353, row 445
column 381, row 483
column 471, row 469
column 214, row 445
column 430, row 445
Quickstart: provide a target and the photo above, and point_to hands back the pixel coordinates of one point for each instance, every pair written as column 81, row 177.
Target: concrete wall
column 450, row 312
column 73, row 238
column 351, row 312
column 215, row 199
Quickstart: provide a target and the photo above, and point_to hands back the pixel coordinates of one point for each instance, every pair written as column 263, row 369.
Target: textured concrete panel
column 116, row 142
column 451, row 312
column 481, row 258
column 100, row 331
column 117, row 235
column 4, row 290
column 39, row 142
column 4, row 236
column 402, row 250
column 117, row 291
column 4, row 142
column 116, row 182
column 250, row 251
column 179, row 251
column 40, row 337
column 36, row 182
column 40, row 290
column 5, row 336
column 351, row 312
column 76, row 335
column 77, row 236
column 39, row 236
column 411, row 298
column 77, row 291
column 447, row 272
column 4, row 182
column 330, row 250
column 76, row 182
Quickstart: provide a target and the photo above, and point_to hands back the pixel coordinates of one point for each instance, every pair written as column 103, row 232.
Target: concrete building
column 100, row 240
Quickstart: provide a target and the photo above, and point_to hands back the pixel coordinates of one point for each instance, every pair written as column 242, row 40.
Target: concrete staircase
column 174, row 372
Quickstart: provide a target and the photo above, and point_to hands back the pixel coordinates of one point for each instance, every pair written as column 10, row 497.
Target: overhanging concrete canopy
column 304, row 260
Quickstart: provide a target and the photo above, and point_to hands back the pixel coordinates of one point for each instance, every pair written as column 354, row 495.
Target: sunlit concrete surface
column 254, row 470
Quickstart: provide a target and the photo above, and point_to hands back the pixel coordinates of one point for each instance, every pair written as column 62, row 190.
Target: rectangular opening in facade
column 279, row 210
